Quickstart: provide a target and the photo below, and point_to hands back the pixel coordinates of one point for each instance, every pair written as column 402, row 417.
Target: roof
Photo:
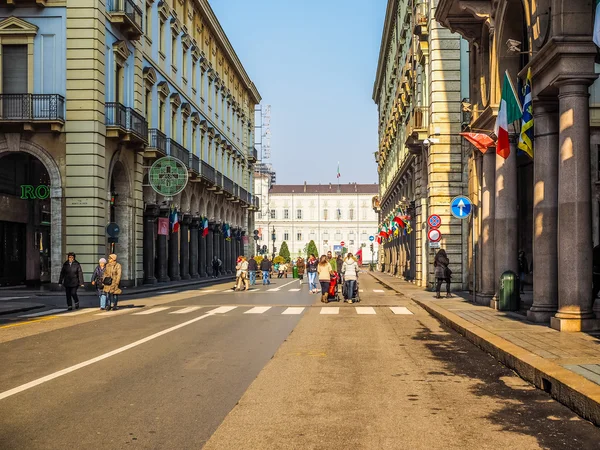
column 390, row 14
column 350, row 188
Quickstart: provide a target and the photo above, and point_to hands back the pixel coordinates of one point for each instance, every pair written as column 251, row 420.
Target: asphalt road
column 268, row 369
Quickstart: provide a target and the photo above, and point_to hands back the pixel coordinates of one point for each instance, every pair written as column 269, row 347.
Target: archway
column 39, row 239
column 121, row 213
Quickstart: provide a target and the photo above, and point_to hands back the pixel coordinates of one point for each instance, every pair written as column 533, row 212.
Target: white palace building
column 329, row 214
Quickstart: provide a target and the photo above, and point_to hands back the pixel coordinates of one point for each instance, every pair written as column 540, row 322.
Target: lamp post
column 273, row 239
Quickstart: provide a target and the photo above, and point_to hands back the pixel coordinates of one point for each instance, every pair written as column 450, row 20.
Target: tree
column 279, row 260
column 284, row 251
column 312, row 249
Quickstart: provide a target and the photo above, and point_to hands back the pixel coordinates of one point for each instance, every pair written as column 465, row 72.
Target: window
column 148, row 105
column 148, row 19
column 312, row 235
column 202, row 89
column 161, row 116
column 339, row 213
column 350, row 242
column 174, row 52
column 119, row 83
column 286, row 213
column 273, row 214
column 185, row 133
column 299, row 236
column 194, row 146
column 174, row 125
column 194, row 74
column 299, row 214
column 184, row 65
column 351, row 214
column 338, row 235
column 325, row 214
column 162, row 37
column 14, row 67
column 286, row 235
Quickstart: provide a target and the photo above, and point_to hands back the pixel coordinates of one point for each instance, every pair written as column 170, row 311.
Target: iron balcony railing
column 219, row 179
column 243, row 195
column 255, row 202
column 208, row 172
column 178, row 151
column 194, row 163
column 118, row 115
column 157, row 140
column 129, row 8
column 30, row 107
column 228, row 185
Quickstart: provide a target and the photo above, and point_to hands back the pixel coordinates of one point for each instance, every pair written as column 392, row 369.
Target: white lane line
column 118, row 311
column 81, row 365
column 378, row 290
column 228, row 290
column 44, row 313
column 208, row 290
column 283, row 285
column 273, row 290
column 80, row 312
column 294, row 290
column 186, row 310
column 221, row 310
column 258, row 310
column 166, row 292
column 330, row 310
column 5, row 299
column 365, row 310
column 400, row 310
column 151, row 311
column 293, row 310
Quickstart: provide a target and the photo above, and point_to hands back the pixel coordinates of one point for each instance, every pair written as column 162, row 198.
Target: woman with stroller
column 97, row 278
column 325, row 272
column 311, row 269
column 350, row 272
column 442, row 273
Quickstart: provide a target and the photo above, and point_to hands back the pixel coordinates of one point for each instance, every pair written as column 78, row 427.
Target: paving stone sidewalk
column 567, row 365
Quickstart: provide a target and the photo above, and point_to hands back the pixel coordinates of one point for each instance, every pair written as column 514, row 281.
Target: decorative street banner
column 163, row 226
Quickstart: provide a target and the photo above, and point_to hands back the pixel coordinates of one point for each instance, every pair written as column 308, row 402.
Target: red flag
column 480, row 140
column 163, row 226
column 398, row 220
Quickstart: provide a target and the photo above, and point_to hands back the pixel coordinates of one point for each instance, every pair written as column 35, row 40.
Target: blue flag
column 526, row 137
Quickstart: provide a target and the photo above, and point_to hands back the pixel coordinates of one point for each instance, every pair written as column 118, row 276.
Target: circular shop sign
column 434, row 235
column 168, row 176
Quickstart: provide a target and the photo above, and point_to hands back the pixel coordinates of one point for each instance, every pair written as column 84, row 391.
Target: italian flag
column 510, row 110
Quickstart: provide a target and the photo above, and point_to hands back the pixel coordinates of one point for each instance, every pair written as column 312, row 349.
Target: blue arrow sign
column 461, row 207
column 371, row 238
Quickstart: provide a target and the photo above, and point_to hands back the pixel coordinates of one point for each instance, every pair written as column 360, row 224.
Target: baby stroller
column 334, row 282
column 355, row 297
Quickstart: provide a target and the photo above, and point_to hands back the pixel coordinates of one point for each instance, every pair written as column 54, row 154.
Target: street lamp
column 273, row 236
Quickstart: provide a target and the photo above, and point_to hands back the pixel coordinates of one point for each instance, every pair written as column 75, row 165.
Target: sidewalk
column 566, row 365
column 20, row 299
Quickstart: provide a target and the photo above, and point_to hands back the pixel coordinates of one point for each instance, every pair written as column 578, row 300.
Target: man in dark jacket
column 71, row 276
column 216, row 265
column 265, row 267
column 252, row 268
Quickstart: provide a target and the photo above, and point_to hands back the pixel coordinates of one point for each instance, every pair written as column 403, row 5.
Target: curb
column 572, row 390
column 19, row 310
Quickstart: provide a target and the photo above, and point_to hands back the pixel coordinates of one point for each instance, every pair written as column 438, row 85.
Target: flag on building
column 399, row 222
column 338, row 172
column 510, row 111
column 596, row 36
column 205, row 227
column 526, row 137
column 481, row 141
column 174, row 220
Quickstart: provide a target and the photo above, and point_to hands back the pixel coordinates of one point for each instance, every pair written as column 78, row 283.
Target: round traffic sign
column 371, row 238
column 113, row 230
column 461, row 207
column 342, row 243
column 434, row 221
column 434, row 235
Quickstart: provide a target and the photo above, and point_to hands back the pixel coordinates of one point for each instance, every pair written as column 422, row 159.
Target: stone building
column 328, row 214
column 92, row 93
column 543, row 206
column 420, row 82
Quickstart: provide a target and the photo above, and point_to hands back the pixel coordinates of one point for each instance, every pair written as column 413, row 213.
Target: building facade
column 93, row 92
column 420, row 83
column 326, row 214
column 548, row 206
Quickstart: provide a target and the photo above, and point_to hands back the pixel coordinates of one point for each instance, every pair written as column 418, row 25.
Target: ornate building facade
column 96, row 91
column 548, row 206
column 420, row 83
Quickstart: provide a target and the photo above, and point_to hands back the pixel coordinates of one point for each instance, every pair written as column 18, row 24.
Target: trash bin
column 508, row 295
column 295, row 272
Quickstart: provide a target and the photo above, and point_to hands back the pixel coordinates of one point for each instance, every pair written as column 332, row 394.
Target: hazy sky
column 314, row 62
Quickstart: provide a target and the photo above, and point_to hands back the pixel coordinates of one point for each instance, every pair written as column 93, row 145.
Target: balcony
column 178, row 151
column 228, row 185
column 125, row 124
column 29, row 110
column 417, row 128
column 218, row 187
column 255, row 203
column 14, row 3
column 194, row 167
column 243, row 196
column 157, row 144
column 253, row 156
column 208, row 173
column 127, row 16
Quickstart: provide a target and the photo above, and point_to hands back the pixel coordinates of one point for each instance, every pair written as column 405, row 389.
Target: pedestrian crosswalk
column 270, row 289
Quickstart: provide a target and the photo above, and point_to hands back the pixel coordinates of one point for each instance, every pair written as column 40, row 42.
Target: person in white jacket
column 350, row 271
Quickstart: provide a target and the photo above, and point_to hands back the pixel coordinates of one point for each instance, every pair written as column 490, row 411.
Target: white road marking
column 273, row 290
column 400, row 310
column 378, row 290
column 330, row 310
column 118, row 311
column 186, row 310
column 151, row 311
column 68, row 370
column 293, row 310
column 4, row 299
column 209, row 290
column 258, row 310
column 222, row 310
column 365, row 310
column 80, row 312
column 44, row 313
column 228, row 290
column 294, row 290
column 361, row 290
column 166, row 292
column 282, row 286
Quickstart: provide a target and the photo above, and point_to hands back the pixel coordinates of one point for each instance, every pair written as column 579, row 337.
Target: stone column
column 161, row 253
column 202, row 241
column 216, row 242
column 194, row 248
column 174, row 255
column 545, row 212
column 184, row 247
column 486, row 240
column 150, row 216
column 574, row 210
column 222, row 253
column 505, row 217
column 209, row 248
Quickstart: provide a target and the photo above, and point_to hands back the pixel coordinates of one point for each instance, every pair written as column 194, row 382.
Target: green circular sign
column 168, row 176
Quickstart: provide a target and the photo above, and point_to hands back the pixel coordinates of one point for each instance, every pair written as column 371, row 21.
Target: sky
column 314, row 62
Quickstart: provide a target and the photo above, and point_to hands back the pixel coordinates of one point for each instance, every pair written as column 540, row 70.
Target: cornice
column 390, row 15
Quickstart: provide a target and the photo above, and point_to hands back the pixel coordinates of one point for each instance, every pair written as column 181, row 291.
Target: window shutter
column 14, row 69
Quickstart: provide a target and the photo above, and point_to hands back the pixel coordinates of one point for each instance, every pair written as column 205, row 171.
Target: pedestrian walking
column 442, row 273
column 331, row 261
column 324, row 272
column 216, row 265
column 265, row 268
column 112, row 278
column 252, row 268
column 350, row 271
column 97, row 278
column 523, row 269
column 71, row 277
column 242, row 274
column 281, row 270
column 301, row 266
column 311, row 270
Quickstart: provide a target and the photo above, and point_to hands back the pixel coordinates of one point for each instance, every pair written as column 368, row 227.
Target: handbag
column 448, row 272
column 107, row 281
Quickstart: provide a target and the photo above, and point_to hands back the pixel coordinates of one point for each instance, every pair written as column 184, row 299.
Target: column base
column 483, row 299
column 571, row 325
column 152, row 280
column 175, row 278
column 540, row 315
column 164, row 280
column 195, row 276
column 185, row 277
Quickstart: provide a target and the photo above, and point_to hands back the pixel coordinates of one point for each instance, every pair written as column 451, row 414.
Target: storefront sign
column 29, row 192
